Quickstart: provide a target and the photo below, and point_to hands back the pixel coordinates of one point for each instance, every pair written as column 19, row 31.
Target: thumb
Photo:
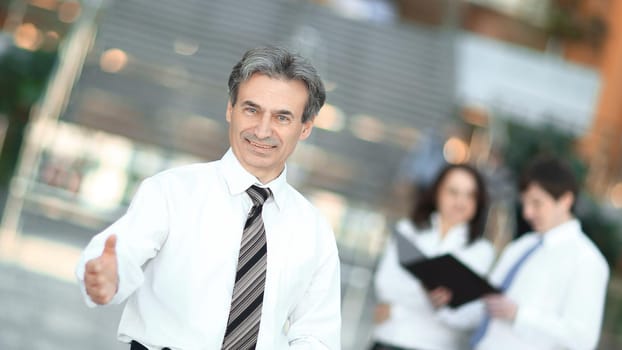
column 110, row 247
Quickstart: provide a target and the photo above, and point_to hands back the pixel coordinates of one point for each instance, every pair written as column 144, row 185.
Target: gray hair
column 277, row 62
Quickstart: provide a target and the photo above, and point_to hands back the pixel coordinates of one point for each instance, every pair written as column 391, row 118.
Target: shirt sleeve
column 315, row 323
column 577, row 326
column 465, row 317
column 140, row 234
column 383, row 270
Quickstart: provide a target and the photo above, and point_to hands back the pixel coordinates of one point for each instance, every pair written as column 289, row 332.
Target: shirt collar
column 239, row 179
column 562, row 232
column 456, row 233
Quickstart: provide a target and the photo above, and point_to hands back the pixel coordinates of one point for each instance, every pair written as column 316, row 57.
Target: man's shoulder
column 190, row 178
column 525, row 239
column 186, row 172
column 306, row 210
column 586, row 250
column 300, row 201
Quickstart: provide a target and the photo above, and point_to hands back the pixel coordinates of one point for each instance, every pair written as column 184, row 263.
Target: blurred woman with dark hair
column 448, row 218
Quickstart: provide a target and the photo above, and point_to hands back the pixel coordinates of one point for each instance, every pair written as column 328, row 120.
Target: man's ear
column 567, row 199
column 306, row 129
column 229, row 111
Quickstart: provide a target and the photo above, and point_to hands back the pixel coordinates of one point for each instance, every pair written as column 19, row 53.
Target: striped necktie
column 483, row 326
column 248, row 290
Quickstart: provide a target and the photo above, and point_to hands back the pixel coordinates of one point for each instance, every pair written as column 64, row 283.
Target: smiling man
column 554, row 280
column 226, row 254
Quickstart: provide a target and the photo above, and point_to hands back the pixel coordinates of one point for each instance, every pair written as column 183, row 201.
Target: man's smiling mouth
column 260, row 145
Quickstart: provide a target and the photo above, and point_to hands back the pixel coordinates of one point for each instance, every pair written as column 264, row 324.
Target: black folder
column 447, row 271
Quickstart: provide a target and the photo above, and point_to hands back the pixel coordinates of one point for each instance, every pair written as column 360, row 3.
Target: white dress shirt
column 413, row 321
column 177, row 250
column 560, row 291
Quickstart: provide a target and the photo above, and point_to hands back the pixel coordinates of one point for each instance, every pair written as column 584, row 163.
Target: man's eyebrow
column 284, row 111
column 251, row 104
column 257, row 106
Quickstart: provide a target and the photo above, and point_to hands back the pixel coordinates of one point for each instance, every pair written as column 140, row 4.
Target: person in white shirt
column 554, row 279
column 448, row 218
column 174, row 255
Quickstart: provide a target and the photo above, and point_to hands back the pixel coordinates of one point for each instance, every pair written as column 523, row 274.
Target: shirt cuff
column 524, row 320
column 131, row 277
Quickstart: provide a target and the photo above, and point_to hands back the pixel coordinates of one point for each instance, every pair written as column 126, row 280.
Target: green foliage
column 23, row 77
column 566, row 21
column 603, row 231
column 525, row 142
column 564, row 24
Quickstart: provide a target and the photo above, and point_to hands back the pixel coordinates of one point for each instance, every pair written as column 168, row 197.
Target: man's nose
column 263, row 129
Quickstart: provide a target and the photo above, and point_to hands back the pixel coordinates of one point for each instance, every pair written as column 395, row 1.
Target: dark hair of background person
column 426, row 205
column 279, row 63
column 552, row 174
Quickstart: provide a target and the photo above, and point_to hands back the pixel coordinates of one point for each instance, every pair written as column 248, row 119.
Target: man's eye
column 283, row 118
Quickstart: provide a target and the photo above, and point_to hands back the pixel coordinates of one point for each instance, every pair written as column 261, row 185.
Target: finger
column 90, row 287
column 89, row 267
column 438, row 302
column 443, row 290
column 490, row 300
column 110, row 247
column 93, row 267
column 98, row 293
column 499, row 307
column 93, row 291
column 100, row 298
column 494, row 305
column 383, row 311
column 440, row 299
column 93, row 271
column 491, row 296
column 499, row 312
column 94, row 282
column 436, row 293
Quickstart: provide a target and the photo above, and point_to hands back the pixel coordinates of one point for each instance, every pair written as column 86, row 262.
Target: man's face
column 542, row 210
column 266, row 123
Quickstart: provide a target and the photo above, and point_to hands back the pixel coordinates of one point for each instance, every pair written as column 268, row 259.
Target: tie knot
column 258, row 195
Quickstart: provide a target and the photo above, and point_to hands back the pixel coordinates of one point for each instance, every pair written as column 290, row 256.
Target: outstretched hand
column 100, row 275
